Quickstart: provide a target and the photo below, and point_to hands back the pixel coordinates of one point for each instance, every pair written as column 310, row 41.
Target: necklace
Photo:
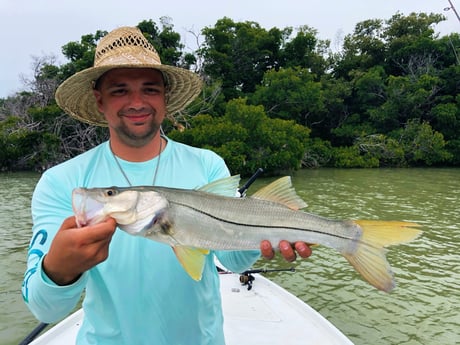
column 156, row 168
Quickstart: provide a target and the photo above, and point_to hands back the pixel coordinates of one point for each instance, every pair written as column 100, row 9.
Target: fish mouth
column 86, row 209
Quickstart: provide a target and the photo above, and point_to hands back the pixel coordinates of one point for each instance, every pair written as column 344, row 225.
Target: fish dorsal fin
column 192, row 260
column 226, row 186
column 282, row 192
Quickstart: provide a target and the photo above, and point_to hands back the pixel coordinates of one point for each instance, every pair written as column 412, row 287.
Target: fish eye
column 110, row 192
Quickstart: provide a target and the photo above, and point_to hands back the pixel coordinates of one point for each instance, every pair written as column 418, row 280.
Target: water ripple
column 423, row 309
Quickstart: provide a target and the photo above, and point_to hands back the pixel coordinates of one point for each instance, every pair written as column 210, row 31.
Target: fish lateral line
column 368, row 255
column 287, row 228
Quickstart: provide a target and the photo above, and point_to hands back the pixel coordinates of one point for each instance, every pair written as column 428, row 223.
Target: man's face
column 133, row 102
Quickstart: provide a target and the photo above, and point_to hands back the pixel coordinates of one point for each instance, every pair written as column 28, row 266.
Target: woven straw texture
column 125, row 47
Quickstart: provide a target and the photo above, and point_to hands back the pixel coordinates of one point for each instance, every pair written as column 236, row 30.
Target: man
column 136, row 291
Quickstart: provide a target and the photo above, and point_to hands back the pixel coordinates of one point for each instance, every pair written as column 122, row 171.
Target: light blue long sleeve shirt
column 140, row 294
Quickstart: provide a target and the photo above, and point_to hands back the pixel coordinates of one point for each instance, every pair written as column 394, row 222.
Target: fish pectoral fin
column 192, row 260
column 282, row 192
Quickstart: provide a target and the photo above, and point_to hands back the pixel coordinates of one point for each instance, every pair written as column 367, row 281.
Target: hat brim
column 75, row 95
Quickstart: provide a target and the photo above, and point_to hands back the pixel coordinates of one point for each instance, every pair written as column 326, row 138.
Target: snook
column 196, row 221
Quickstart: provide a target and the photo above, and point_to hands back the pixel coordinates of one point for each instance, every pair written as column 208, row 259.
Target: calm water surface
column 15, row 229
column 424, row 307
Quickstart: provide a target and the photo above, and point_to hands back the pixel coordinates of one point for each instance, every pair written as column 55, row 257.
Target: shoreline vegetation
column 280, row 99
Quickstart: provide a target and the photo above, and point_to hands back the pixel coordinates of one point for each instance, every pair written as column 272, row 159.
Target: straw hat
column 125, row 47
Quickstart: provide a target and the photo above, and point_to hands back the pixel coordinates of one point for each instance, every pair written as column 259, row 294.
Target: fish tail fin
column 369, row 259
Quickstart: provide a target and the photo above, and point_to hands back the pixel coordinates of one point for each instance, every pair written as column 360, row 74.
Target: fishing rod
column 35, row 332
column 246, row 278
column 245, row 187
column 264, row 270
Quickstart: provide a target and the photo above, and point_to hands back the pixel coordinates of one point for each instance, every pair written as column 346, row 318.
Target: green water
column 424, row 307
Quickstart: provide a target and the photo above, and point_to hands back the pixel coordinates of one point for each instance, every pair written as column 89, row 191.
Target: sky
column 38, row 28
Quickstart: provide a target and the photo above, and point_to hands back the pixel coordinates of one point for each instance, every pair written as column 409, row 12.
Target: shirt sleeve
column 238, row 261
column 48, row 301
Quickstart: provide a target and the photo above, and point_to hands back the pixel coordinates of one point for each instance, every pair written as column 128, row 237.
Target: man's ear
column 98, row 96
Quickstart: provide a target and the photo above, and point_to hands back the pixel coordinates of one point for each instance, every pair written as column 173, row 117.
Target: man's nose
column 136, row 100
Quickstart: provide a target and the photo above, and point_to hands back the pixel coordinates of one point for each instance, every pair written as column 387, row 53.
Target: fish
column 196, row 221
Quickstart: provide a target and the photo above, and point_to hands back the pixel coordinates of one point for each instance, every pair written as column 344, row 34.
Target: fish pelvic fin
column 192, row 260
column 369, row 257
column 226, row 186
column 281, row 191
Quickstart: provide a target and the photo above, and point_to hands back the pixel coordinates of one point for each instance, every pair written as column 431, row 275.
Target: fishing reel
column 246, row 278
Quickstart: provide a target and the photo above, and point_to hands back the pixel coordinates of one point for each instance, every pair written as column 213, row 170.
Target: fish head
column 132, row 208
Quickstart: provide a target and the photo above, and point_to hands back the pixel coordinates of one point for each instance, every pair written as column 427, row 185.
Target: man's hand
column 75, row 250
column 288, row 251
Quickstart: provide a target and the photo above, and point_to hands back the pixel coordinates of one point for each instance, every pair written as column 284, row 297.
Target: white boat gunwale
column 265, row 314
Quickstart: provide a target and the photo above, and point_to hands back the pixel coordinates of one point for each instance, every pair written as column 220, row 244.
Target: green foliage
column 317, row 153
column 247, row 139
column 351, row 128
column 290, row 94
column 352, row 157
column 411, row 43
column 388, row 151
column 388, row 97
column 167, row 41
column 446, row 119
column 362, row 50
column 25, row 149
column 453, row 147
column 416, row 144
column 302, row 51
column 335, row 93
column 45, row 116
column 406, row 98
column 422, row 145
column 8, row 153
column 369, row 88
column 238, row 54
column 80, row 54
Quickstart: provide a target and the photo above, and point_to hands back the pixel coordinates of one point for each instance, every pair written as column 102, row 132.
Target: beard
column 132, row 139
column 138, row 139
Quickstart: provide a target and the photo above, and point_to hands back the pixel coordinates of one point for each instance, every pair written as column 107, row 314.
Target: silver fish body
column 209, row 221
column 194, row 221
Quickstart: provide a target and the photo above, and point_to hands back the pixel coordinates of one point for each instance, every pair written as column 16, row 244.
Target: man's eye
column 118, row 92
column 152, row 91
